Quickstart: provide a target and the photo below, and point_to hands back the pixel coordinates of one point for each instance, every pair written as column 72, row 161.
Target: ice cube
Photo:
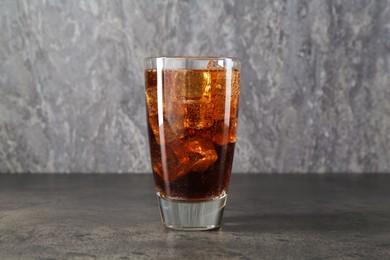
column 172, row 128
column 221, row 105
column 200, row 152
column 174, row 81
column 198, row 115
column 214, row 65
column 174, row 114
column 225, row 134
column 173, row 164
column 151, row 101
column 173, row 108
column 219, row 82
column 196, row 86
column 218, row 78
column 188, row 85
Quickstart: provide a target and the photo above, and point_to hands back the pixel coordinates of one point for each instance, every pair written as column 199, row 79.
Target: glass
column 192, row 107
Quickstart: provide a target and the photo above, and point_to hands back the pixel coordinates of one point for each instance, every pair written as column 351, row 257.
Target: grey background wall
column 315, row 81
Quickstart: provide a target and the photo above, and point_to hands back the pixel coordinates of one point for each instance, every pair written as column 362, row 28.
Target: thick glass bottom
column 189, row 215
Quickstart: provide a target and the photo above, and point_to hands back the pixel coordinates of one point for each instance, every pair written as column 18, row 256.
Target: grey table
column 267, row 217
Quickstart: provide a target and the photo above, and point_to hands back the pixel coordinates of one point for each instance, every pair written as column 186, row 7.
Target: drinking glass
column 192, row 108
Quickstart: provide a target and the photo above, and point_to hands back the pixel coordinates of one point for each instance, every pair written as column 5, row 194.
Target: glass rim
column 234, row 59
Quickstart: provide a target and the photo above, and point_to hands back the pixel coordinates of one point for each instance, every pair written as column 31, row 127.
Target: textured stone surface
column 315, row 81
column 266, row 217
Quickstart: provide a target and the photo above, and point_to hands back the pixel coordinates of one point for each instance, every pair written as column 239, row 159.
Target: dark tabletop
column 267, row 217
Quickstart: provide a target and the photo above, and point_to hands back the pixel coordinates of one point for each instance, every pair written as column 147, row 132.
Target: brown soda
column 192, row 122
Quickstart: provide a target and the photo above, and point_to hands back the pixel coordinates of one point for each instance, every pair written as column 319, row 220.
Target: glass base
column 188, row 215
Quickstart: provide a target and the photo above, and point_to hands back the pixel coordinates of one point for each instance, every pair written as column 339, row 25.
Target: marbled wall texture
column 315, row 81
